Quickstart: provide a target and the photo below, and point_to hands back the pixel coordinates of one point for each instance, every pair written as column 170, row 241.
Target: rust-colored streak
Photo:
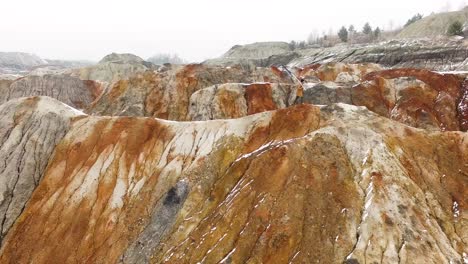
column 329, row 72
column 441, row 82
column 167, row 94
column 227, row 104
column 372, row 95
column 437, row 164
column 259, row 98
column 118, row 89
column 463, row 107
column 187, row 84
column 26, row 106
column 279, row 73
column 94, row 87
column 293, row 122
column 307, row 69
column 251, row 218
column 84, row 210
column 432, row 105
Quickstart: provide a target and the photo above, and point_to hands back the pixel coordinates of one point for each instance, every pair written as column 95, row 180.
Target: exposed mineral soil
column 30, row 128
column 416, row 97
column 234, row 100
column 167, row 94
column 296, row 185
column 419, row 98
column 219, row 164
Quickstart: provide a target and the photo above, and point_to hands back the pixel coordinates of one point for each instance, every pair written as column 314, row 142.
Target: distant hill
column 23, row 63
column 121, row 58
column 257, row 50
column 434, row 25
column 19, row 61
column 259, row 53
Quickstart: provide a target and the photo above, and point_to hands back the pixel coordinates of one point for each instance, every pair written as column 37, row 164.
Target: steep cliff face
column 339, row 184
column 69, row 90
column 167, row 94
column 30, row 128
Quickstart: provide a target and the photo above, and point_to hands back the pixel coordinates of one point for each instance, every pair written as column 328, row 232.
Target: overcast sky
column 194, row 29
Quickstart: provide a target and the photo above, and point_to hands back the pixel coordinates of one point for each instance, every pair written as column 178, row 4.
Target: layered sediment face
column 69, row 90
column 440, row 54
column 295, row 185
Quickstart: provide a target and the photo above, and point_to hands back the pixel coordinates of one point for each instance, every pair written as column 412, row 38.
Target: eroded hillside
column 336, row 183
column 220, row 164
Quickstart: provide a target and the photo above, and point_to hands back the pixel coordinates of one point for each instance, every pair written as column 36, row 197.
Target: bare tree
column 313, row 37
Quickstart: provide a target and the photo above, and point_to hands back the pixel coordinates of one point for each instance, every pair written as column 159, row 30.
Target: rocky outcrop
column 434, row 54
column 337, row 72
column 415, row 97
column 327, row 93
column 166, row 94
column 418, row 98
column 296, row 185
column 234, row 100
column 30, row 128
column 113, row 67
column 438, row 55
column 69, row 90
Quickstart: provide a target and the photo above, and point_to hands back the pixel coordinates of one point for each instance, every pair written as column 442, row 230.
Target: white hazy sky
column 195, row 29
